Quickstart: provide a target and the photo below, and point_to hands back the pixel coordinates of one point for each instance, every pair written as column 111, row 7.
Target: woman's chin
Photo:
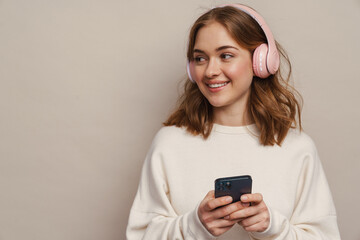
column 217, row 104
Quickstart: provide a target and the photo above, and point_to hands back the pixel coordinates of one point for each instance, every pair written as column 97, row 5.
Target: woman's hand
column 212, row 211
column 255, row 218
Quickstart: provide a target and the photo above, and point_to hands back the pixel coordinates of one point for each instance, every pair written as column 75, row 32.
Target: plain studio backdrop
column 85, row 85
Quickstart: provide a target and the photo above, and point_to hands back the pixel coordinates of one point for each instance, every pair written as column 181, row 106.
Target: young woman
column 237, row 116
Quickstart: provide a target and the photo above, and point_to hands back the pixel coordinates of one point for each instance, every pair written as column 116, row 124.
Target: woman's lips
column 215, row 87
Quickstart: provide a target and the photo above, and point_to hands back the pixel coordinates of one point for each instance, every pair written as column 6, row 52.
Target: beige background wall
column 85, row 85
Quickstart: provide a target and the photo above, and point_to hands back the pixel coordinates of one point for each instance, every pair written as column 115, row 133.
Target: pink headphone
column 266, row 58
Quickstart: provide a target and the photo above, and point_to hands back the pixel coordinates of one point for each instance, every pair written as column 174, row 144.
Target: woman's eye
column 226, row 56
column 199, row 59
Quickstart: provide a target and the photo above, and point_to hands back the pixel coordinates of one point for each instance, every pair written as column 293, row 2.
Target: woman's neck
column 232, row 117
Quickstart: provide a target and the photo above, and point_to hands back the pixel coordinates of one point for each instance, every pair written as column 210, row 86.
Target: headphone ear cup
column 259, row 61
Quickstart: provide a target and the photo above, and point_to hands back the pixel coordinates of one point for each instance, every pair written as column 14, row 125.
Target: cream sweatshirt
column 180, row 169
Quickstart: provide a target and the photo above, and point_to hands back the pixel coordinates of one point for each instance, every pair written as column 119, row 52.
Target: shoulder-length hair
column 272, row 103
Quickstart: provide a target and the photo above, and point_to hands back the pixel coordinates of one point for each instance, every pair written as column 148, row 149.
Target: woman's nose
column 212, row 69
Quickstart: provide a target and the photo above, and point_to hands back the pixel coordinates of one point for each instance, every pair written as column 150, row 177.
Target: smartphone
column 233, row 186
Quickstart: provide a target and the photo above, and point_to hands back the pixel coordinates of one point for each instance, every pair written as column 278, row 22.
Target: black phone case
column 233, row 186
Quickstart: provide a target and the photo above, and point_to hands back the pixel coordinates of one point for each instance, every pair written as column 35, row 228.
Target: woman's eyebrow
column 225, row 47
column 198, row 50
column 217, row 49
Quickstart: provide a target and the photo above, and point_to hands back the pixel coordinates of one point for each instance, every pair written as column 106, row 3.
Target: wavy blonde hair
column 273, row 103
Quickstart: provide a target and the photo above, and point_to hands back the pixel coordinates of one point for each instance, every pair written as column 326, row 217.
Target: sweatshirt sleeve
column 314, row 216
column 152, row 215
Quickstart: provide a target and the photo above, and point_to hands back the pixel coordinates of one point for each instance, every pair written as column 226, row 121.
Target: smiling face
column 222, row 68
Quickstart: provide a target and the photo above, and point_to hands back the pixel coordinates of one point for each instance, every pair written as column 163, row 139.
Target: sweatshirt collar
column 235, row 130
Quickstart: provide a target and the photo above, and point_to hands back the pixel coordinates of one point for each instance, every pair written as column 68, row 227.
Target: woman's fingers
column 214, row 203
column 250, row 221
column 221, row 223
column 243, row 213
column 219, row 214
column 257, row 227
column 214, row 213
column 258, row 206
column 211, row 212
column 219, row 226
column 227, row 210
column 255, row 218
column 252, row 198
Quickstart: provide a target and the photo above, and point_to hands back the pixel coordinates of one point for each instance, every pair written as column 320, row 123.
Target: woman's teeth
column 217, row 85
